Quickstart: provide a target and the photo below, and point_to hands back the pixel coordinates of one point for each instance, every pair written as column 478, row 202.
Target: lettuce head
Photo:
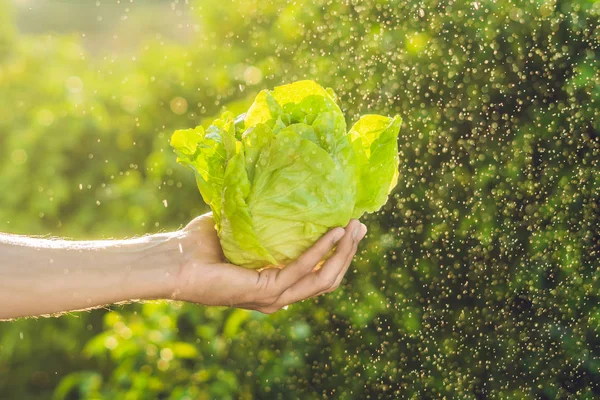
column 288, row 170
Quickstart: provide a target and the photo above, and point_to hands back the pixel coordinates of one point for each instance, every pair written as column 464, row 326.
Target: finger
column 314, row 282
column 348, row 261
column 363, row 232
column 307, row 261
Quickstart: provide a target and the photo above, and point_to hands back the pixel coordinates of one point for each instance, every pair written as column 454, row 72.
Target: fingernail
column 338, row 235
column 356, row 233
column 363, row 231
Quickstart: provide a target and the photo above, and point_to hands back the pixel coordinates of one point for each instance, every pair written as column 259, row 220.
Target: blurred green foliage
column 478, row 279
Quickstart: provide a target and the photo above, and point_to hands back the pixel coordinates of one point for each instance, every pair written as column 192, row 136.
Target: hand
column 207, row 278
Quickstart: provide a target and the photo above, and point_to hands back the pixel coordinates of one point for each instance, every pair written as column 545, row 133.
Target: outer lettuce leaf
column 299, row 192
column 225, row 127
column 330, row 127
column 204, row 153
column 305, row 131
column 374, row 140
column 236, row 230
column 254, row 140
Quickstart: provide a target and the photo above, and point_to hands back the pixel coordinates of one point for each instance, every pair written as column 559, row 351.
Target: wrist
column 178, row 270
column 159, row 263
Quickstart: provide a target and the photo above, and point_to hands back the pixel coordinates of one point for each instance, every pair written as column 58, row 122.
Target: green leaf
column 235, row 319
column 84, row 383
column 255, row 139
column 204, row 152
column 184, row 350
column 374, row 139
column 299, row 192
column 264, row 110
column 236, row 230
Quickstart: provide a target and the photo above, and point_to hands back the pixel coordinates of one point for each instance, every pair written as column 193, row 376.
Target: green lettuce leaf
column 299, row 193
column 236, row 230
column 203, row 152
column 374, row 139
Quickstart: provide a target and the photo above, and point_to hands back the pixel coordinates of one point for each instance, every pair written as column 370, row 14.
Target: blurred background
column 479, row 279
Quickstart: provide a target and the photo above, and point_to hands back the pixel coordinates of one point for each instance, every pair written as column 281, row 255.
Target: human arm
column 45, row 276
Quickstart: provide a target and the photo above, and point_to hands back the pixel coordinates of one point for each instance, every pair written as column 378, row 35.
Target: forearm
column 39, row 276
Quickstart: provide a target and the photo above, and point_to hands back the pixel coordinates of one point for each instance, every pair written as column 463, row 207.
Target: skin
column 45, row 276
